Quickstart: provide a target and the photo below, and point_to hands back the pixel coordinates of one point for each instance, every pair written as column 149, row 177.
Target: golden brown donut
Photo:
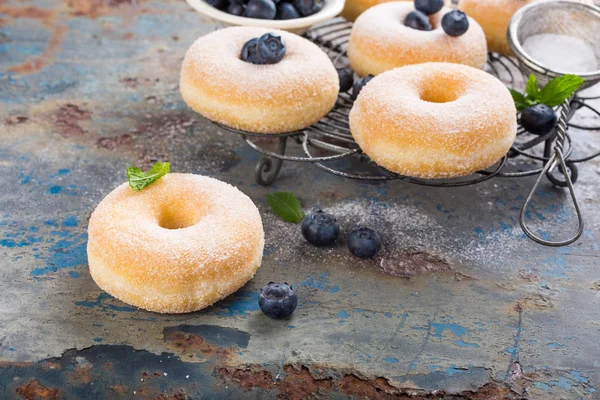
column 434, row 120
column 380, row 41
column 179, row 245
column 353, row 8
column 276, row 98
column 493, row 16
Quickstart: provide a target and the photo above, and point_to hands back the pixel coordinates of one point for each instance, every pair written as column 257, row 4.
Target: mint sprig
column 553, row 94
column 139, row 179
column 286, row 205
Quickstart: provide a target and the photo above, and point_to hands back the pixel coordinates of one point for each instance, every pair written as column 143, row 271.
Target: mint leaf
column 139, row 179
column 532, row 88
column 286, row 205
column 559, row 89
column 519, row 99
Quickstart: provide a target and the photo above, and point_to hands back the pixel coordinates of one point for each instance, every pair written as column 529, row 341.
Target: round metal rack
column 330, row 140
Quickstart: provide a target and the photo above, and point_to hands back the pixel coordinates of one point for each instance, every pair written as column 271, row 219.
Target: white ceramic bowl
column 299, row 25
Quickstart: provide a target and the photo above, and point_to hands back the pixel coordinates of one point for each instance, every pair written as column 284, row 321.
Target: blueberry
column 219, row 4
column 235, row 8
column 364, row 242
column 429, row 7
column 271, row 48
column 286, row 11
column 250, row 52
column 455, row 23
column 261, row 9
column 359, row 84
column 308, row 7
column 346, row 79
column 417, row 20
column 277, row 300
column 320, row 229
column 539, row 119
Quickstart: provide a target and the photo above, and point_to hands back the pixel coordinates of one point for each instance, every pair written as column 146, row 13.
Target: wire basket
column 332, row 140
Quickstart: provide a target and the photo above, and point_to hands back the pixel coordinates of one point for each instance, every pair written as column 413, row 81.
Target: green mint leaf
column 519, row 99
column 139, row 179
column 286, row 205
column 559, row 89
column 532, row 88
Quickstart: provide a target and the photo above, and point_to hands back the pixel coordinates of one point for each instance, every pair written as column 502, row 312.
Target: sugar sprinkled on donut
column 275, row 98
column 179, row 245
column 434, row 120
column 379, row 41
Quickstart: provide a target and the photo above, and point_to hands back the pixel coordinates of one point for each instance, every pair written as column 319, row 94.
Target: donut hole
column 180, row 217
column 435, row 94
column 441, row 90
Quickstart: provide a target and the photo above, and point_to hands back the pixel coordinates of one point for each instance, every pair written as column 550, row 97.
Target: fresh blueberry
column 286, row 11
column 455, row 23
column 538, row 119
column 308, row 7
column 261, row 9
column 364, row 242
column 359, row 84
column 417, row 20
column 219, row 4
column 271, row 48
column 250, row 52
column 429, row 7
column 346, row 79
column 277, row 300
column 235, row 8
column 320, row 229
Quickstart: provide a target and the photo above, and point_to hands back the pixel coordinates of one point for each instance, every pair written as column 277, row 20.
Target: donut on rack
column 179, row 245
column 494, row 17
column 258, row 80
column 381, row 41
column 434, row 120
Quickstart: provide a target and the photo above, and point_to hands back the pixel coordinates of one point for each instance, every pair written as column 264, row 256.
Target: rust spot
column 299, row 383
column 409, row 265
column 26, row 12
column 81, row 374
column 15, row 120
column 111, row 143
column 489, row 391
column 191, row 345
column 119, row 389
column 95, row 8
column 128, row 35
column 34, row 390
column 379, row 388
column 249, row 378
column 66, row 119
column 35, row 64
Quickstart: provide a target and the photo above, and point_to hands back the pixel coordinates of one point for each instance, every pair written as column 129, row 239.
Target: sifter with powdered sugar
column 556, row 37
column 552, row 38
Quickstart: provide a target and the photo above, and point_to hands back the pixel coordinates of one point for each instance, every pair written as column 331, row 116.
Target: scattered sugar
column 561, row 52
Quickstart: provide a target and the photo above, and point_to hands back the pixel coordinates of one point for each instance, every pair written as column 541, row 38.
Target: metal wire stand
column 548, row 155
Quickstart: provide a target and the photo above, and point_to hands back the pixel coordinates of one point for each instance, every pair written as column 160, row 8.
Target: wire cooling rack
column 329, row 145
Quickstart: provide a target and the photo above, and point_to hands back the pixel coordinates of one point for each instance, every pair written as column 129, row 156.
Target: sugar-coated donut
column 493, row 16
column 380, row 41
column 353, row 8
column 179, row 245
column 434, row 120
column 274, row 98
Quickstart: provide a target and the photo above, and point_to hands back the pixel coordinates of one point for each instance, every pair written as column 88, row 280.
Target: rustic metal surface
column 460, row 303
